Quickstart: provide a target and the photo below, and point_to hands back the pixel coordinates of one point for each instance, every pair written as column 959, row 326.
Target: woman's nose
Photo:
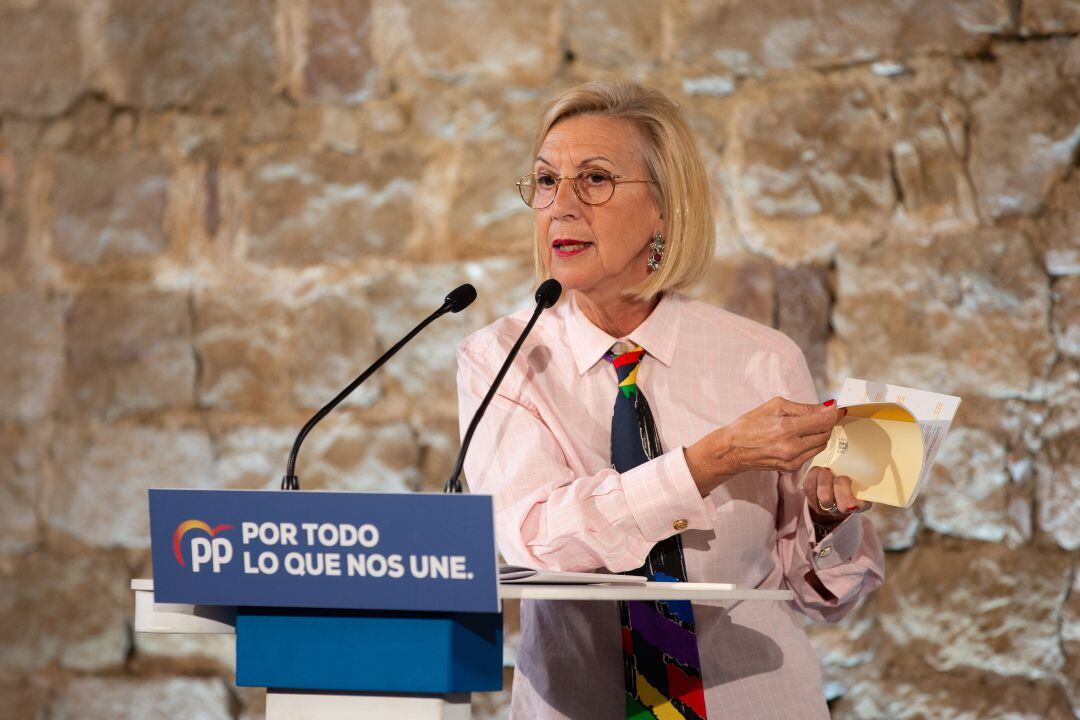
column 566, row 202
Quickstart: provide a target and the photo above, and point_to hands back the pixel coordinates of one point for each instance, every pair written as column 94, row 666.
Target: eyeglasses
column 593, row 186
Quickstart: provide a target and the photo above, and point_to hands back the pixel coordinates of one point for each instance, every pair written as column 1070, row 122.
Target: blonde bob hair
column 672, row 160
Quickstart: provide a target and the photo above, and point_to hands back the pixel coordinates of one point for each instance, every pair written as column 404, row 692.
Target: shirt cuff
column 664, row 499
column 840, row 545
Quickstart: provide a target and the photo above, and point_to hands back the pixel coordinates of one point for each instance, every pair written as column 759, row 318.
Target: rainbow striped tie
column 661, row 664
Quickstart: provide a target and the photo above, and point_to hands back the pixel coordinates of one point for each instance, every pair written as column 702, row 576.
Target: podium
column 351, row 605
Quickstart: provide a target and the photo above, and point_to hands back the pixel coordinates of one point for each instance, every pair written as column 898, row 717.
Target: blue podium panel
column 356, row 551
column 384, row 652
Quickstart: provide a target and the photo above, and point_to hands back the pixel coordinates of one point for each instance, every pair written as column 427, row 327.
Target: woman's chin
column 572, row 279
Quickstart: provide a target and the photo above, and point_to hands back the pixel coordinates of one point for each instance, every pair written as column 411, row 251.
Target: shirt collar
column 656, row 334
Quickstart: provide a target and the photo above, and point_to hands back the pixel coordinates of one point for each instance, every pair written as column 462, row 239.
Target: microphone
column 546, row 296
column 458, row 299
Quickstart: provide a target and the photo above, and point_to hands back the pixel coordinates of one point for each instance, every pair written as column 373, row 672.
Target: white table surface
column 640, row 591
column 627, row 591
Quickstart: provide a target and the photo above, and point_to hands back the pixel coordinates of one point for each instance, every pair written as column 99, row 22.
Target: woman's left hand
column 830, row 496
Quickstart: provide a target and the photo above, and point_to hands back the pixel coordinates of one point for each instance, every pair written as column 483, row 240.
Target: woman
column 641, row 431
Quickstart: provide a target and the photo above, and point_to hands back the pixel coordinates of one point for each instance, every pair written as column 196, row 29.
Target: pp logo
column 216, row 551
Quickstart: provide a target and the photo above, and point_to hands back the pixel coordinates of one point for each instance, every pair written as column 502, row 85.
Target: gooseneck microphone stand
column 546, row 296
column 458, row 299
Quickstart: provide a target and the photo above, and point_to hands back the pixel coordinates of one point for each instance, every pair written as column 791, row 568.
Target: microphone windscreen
column 461, row 297
column 548, row 293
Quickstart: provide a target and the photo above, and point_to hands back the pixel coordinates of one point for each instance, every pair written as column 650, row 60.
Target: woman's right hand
column 780, row 435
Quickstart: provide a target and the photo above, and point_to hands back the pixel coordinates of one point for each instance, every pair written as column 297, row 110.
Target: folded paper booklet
column 888, row 441
column 523, row 575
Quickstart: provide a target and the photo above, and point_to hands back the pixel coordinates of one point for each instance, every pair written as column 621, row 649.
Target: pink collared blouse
column 543, row 452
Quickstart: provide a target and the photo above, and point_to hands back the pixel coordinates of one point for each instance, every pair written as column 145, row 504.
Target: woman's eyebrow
column 583, row 163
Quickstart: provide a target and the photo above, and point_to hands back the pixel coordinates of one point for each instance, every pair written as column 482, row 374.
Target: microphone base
column 290, row 482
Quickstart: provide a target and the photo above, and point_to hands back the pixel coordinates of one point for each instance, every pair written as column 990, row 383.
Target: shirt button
column 825, row 551
column 679, row 524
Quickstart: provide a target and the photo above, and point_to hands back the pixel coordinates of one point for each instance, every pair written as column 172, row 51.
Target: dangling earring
column 657, row 255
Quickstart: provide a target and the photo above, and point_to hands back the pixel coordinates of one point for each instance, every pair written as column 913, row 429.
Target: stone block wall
column 214, row 214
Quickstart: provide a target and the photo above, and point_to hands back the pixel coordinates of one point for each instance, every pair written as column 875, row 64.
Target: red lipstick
column 568, row 247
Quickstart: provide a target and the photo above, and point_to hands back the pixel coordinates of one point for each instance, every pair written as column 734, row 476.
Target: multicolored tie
column 660, row 653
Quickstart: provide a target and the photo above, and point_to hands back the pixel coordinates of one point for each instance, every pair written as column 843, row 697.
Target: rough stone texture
column 1057, row 462
column 348, row 457
column 1014, row 163
column 331, row 57
column 1070, row 640
column 109, row 208
column 962, row 698
column 334, row 341
column 945, row 606
column 252, row 702
column 25, row 698
column 32, row 361
column 1043, row 17
column 100, row 470
column 468, row 206
column 1058, row 473
column 129, row 350
column 190, row 654
column 746, row 286
column 969, row 490
column 142, row 699
column 1061, row 228
column 959, row 313
column 614, row 35
column 40, row 596
column 254, row 457
column 11, row 230
column 803, row 302
column 21, row 486
column 214, row 215
column 1066, row 316
column 928, row 153
column 189, row 52
column 243, row 365
column 811, row 171
column 440, row 39
column 314, row 338
column 41, row 56
column 341, row 453
column 897, row 527
column 752, row 37
column 847, row 650
column 330, row 207
column 1064, row 404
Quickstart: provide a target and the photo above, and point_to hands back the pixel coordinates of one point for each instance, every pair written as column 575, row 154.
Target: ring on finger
column 831, row 509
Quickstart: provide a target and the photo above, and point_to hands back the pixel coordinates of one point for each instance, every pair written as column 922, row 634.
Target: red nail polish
column 853, row 508
column 829, row 403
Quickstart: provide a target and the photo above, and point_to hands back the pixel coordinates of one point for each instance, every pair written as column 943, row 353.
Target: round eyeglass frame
column 615, row 180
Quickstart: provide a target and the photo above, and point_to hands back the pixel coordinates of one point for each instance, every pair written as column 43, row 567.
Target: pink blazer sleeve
column 849, row 561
